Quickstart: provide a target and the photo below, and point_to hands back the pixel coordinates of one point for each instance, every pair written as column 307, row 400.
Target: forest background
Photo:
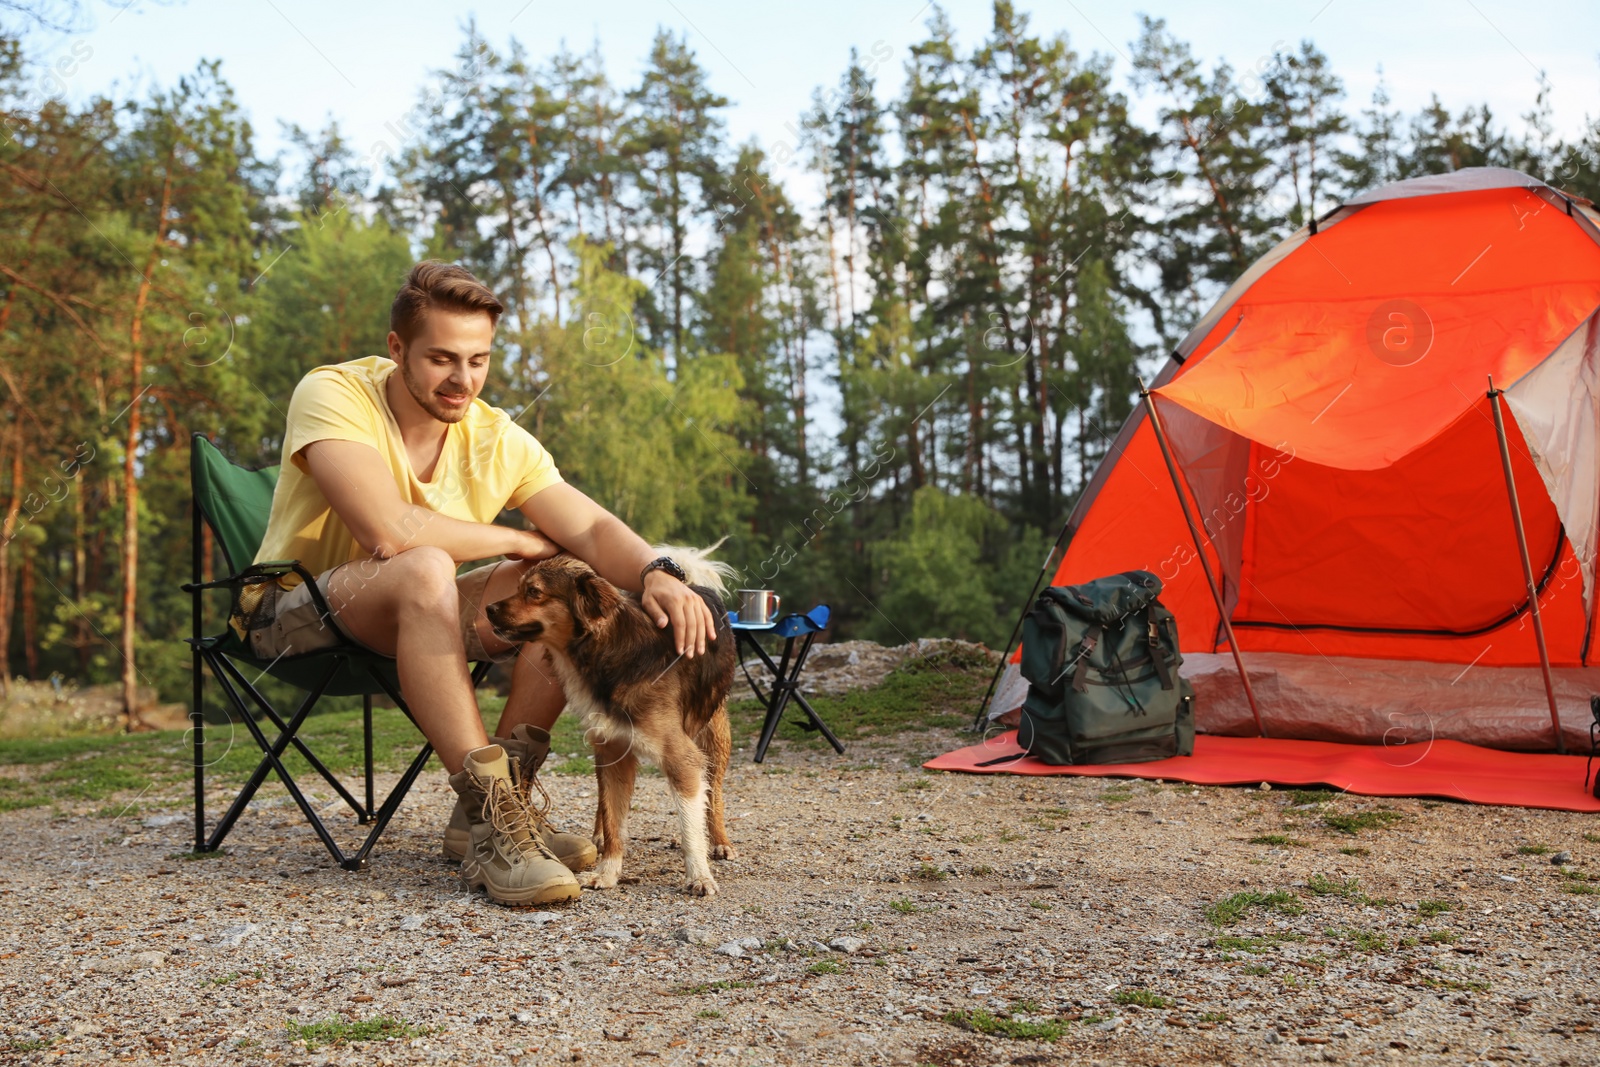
column 888, row 400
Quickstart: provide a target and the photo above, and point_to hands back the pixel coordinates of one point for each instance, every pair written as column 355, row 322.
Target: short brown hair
column 448, row 286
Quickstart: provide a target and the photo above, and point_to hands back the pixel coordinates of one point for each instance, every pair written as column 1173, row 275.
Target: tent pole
column 1005, row 658
column 1527, row 564
column 1194, row 532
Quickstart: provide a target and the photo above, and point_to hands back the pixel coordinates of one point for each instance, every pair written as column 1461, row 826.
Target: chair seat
column 305, row 670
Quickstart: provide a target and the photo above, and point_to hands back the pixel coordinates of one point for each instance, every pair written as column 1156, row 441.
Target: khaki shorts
column 297, row 627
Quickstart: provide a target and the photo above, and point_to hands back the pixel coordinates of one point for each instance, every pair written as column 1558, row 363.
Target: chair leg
column 391, row 804
column 300, row 746
column 197, row 723
column 366, row 730
column 273, row 750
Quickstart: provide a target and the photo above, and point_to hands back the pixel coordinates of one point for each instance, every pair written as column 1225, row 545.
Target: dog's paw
column 598, row 879
column 724, row 852
column 703, row 887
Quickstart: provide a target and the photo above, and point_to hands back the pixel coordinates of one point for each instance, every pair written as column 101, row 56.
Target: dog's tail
column 699, row 566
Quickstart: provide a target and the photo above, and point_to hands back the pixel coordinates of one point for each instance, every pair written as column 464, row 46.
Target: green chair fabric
column 236, row 502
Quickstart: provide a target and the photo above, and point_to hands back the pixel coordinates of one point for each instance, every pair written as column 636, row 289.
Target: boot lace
column 507, row 811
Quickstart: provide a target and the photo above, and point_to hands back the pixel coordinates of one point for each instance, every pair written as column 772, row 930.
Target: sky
column 364, row 64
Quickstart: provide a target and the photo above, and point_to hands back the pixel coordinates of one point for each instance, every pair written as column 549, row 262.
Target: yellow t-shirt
column 488, row 463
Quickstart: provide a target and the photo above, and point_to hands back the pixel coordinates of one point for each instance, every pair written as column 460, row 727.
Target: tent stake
column 1527, row 564
column 1194, row 532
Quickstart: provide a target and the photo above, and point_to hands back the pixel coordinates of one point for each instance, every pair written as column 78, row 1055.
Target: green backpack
column 1101, row 660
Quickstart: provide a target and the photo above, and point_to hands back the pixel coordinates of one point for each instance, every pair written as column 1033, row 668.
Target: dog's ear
column 593, row 598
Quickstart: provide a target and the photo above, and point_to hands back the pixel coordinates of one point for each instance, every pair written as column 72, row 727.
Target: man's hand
column 529, row 544
column 667, row 599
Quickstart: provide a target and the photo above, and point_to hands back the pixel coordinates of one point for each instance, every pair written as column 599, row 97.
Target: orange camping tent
column 1331, row 424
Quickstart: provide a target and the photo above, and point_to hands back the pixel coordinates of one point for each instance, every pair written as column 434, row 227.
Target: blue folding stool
column 794, row 629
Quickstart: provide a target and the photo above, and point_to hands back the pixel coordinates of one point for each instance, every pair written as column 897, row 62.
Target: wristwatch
column 663, row 563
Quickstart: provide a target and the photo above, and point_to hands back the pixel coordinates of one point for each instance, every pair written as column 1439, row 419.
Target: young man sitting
column 393, row 473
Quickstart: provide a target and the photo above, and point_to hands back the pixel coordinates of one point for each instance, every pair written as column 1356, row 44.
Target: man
column 393, row 472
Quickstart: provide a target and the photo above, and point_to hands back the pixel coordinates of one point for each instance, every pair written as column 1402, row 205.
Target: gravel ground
column 869, row 902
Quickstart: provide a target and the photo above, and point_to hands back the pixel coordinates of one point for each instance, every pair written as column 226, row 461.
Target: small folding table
column 797, row 631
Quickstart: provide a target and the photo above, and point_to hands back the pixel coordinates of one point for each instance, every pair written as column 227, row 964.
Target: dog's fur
column 639, row 699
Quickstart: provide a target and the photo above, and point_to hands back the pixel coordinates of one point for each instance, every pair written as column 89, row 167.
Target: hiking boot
column 526, row 748
column 504, row 856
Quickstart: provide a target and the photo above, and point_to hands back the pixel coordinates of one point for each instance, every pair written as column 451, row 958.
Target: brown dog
column 639, row 700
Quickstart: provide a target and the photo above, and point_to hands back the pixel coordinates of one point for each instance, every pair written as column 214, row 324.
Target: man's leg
column 536, row 698
column 532, row 707
column 406, row 607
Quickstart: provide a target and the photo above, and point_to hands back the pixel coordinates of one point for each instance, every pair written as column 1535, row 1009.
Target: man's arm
column 359, row 486
column 617, row 554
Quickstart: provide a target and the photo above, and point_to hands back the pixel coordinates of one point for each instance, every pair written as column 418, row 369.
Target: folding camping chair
column 236, row 503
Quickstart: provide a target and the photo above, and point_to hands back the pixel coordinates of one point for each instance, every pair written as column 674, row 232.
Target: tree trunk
column 30, row 633
column 80, row 572
column 130, row 486
column 8, row 530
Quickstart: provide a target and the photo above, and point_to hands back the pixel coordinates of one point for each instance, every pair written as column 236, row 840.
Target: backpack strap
column 1158, row 656
column 1002, row 759
column 1080, row 676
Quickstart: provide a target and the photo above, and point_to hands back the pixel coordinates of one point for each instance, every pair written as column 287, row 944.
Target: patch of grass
column 30, row 1045
column 341, row 1031
column 1429, row 908
column 906, row 907
column 825, row 967
column 1116, row 796
column 98, row 767
column 1357, row 821
column 981, row 870
column 1276, row 839
column 1027, row 1007
column 1039, row 904
column 936, row 690
column 1214, row 1017
column 1533, row 850
column 927, row 872
column 1361, row 940
column 191, row 856
column 1254, row 945
column 708, row 987
column 1593, row 839
column 1442, row 937
column 1145, row 998
column 1348, row 889
column 1577, row 882
column 1310, row 796
column 708, row 1013
column 983, row 1022
column 916, row 783
column 1257, row 969
column 1355, row 850
column 1229, row 910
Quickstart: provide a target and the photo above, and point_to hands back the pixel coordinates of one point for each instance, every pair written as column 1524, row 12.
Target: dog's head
column 558, row 601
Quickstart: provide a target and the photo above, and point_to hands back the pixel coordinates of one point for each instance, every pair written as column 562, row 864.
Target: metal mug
column 758, row 606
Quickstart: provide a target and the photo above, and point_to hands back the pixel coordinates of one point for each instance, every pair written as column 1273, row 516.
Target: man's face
column 446, row 363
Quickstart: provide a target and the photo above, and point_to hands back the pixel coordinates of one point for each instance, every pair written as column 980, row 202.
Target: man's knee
column 426, row 578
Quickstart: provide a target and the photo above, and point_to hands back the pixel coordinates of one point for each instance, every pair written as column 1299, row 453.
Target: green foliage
column 983, row 1022
column 1355, row 822
column 1229, row 910
column 1348, row 889
column 342, row 1031
column 931, row 583
column 1144, row 998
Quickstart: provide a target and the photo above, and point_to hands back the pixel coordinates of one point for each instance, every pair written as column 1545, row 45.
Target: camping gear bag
column 1101, row 660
